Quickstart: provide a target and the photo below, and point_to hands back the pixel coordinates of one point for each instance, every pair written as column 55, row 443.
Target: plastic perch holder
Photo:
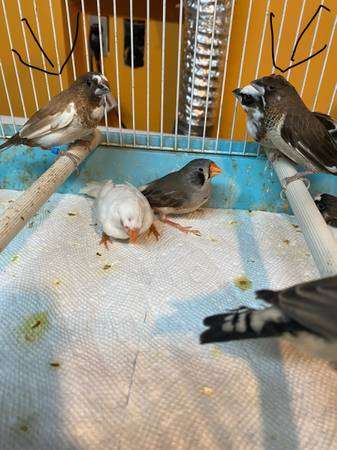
column 30, row 201
column 319, row 238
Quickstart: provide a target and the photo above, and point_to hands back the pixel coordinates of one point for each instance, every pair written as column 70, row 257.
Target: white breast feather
column 109, row 203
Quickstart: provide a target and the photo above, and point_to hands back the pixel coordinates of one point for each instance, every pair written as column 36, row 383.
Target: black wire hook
column 48, row 72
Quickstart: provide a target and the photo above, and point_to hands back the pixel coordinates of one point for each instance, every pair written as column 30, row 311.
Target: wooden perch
column 30, row 201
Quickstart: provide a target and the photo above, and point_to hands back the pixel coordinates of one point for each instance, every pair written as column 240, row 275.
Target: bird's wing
column 161, row 197
column 312, row 304
column 55, row 116
column 329, row 122
column 308, row 136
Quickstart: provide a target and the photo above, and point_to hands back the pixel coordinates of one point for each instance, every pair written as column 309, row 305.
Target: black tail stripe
column 248, row 325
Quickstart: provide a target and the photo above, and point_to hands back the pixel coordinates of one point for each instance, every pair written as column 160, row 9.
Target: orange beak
column 133, row 235
column 214, row 169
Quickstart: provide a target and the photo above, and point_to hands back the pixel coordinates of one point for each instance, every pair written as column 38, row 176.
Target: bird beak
column 214, row 169
column 237, row 93
column 102, row 89
column 133, row 233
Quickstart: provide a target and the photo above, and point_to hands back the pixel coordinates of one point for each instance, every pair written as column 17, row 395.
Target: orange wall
column 235, row 54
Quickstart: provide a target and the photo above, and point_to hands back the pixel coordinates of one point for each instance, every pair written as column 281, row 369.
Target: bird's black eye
column 247, row 99
column 271, row 88
column 201, row 169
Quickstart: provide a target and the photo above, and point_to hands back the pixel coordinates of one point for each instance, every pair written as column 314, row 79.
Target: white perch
column 319, row 238
column 24, row 208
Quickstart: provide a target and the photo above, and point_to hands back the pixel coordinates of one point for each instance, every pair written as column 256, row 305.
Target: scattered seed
column 14, row 258
column 216, row 352
column 71, row 214
column 24, row 428
column 99, row 254
column 107, row 267
column 208, row 391
column 36, row 324
column 242, row 282
column 55, row 364
column 286, row 241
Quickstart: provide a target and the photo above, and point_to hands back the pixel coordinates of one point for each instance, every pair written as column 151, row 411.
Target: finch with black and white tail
column 305, row 314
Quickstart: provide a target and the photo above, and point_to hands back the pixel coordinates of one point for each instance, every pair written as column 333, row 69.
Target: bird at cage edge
column 304, row 314
column 70, row 116
column 278, row 119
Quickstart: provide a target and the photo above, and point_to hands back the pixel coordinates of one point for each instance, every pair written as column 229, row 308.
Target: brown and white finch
column 278, row 119
column 182, row 192
column 71, row 115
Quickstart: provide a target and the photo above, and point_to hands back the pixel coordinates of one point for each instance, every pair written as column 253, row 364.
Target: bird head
column 95, row 84
column 266, row 90
column 201, row 171
column 131, row 219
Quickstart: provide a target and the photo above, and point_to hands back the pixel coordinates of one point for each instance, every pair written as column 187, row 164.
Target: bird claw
column 288, row 180
column 75, row 159
column 105, row 240
column 180, row 227
column 153, row 230
column 190, row 230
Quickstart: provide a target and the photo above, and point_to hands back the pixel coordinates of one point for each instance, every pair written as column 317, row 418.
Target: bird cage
column 100, row 350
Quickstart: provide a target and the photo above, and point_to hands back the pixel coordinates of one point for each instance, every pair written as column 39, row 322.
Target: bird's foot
column 273, row 155
column 105, row 240
column 180, row 227
column 75, row 159
column 153, row 230
column 298, row 176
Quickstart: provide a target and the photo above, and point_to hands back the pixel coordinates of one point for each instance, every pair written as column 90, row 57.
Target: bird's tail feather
column 268, row 296
column 245, row 323
column 327, row 204
column 8, row 143
column 92, row 189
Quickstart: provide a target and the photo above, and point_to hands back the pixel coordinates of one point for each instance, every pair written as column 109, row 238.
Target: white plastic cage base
column 121, row 330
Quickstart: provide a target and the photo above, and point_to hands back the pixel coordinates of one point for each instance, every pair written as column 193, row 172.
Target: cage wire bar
column 162, row 140
column 209, row 75
column 98, row 3
column 117, row 71
column 178, row 74
column 324, row 64
column 23, row 29
column 147, row 73
column 222, row 96
column 84, row 24
column 332, row 99
column 37, row 20
column 163, row 41
column 243, row 54
column 299, row 23
column 311, row 49
column 51, row 10
column 263, row 34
